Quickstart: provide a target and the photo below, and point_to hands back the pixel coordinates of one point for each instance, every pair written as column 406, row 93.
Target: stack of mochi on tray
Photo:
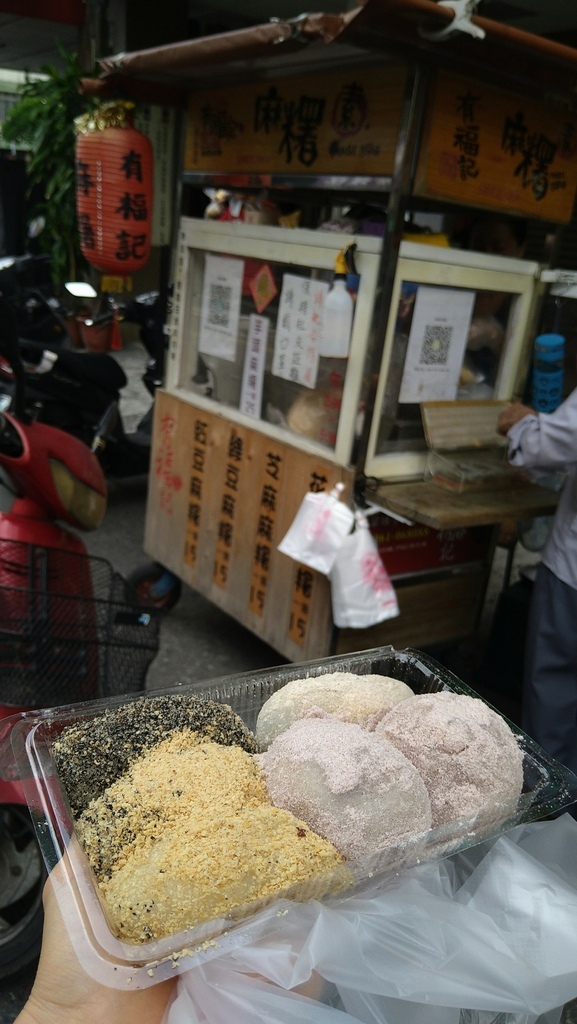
column 184, row 814
column 368, row 763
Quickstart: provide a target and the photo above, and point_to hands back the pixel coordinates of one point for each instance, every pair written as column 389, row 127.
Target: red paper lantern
column 114, row 191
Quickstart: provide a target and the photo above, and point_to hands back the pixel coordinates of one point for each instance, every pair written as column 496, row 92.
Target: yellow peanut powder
column 189, row 834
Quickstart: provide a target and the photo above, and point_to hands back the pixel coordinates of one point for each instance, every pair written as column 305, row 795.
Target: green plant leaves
column 44, row 121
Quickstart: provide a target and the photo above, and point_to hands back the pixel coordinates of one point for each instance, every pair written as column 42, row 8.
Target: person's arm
column 541, row 443
column 64, row 994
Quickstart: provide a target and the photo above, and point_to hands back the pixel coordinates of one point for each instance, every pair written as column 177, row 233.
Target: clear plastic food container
column 26, row 744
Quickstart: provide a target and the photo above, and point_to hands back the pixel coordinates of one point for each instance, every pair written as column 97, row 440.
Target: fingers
column 511, row 415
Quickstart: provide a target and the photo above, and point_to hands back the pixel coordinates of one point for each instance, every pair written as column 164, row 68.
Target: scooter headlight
column 85, row 504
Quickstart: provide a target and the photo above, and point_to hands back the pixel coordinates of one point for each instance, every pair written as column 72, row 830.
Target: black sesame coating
column 90, row 755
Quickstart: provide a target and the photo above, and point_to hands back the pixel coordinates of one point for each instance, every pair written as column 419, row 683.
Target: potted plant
column 44, row 121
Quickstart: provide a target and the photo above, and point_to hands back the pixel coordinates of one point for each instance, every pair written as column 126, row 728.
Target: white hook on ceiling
column 463, row 11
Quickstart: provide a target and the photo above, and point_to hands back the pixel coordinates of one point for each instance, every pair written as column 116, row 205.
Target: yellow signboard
column 337, row 124
column 495, row 149
column 222, row 496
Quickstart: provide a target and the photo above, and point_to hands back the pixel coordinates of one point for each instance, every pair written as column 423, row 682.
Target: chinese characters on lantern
column 114, row 194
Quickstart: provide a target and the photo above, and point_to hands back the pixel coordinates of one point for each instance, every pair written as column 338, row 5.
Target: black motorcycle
column 81, row 393
column 73, row 391
column 27, row 284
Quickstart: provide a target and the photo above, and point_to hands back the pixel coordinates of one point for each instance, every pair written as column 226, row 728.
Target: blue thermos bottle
column 548, row 362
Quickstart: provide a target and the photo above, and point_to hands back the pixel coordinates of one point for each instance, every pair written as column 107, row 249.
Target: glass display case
column 247, row 331
column 457, row 331
column 247, row 337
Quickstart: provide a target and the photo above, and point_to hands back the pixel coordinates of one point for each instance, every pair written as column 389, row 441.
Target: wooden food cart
column 383, row 105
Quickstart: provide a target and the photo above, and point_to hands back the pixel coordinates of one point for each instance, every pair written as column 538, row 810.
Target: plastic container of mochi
column 26, row 751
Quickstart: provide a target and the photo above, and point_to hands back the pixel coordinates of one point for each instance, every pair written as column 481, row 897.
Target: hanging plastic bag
column 318, row 529
column 362, row 593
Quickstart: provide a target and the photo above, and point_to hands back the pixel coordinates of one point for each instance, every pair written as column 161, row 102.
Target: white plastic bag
column 318, row 529
column 485, row 937
column 362, row 593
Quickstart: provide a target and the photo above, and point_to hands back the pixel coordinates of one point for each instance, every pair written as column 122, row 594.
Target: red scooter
column 68, row 631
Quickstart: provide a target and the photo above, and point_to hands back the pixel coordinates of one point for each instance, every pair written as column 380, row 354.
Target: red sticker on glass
column 263, row 288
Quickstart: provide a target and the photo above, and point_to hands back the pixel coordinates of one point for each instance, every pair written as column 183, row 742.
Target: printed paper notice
column 299, row 329
column 220, row 308
column 254, row 362
column 437, row 342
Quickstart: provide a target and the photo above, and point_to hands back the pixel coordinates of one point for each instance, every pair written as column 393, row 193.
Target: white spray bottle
column 337, row 314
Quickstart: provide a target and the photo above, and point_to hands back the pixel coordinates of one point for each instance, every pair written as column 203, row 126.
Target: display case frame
column 299, row 248
column 452, row 268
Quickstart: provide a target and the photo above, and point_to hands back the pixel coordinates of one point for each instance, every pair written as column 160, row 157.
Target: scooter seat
column 95, row 368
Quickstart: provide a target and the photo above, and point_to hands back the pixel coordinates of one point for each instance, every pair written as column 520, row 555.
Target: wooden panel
column 344, row 123
column 432, row 613
column 444, row 509
column 221, row 497
column 462, row 424
column 489, row 148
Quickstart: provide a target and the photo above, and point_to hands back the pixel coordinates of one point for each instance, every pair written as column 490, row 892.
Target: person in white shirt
column 543, row 443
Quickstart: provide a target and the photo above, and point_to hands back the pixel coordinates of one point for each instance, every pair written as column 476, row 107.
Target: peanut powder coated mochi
column 203, row 870
column 349, row 785
column 361, row 699
column 189, row 834
column 465, row 752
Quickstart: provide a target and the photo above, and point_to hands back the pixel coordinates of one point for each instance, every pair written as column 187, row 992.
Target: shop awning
column 399, row 29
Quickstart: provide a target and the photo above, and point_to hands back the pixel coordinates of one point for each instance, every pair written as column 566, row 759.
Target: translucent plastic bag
column 318, row 529
column 361, row 591
column 483, row 937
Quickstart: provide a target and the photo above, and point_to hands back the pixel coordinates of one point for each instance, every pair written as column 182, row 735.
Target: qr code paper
column 436, row 344
column 219, row 299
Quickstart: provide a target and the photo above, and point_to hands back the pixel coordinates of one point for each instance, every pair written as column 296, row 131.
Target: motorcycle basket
column 68, row 629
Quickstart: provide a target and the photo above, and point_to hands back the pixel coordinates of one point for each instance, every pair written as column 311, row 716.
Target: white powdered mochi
column 352, row 698
column 350, row 786
column 467, row 755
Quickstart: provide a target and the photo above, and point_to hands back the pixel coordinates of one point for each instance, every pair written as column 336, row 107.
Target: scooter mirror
column 81, row 289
